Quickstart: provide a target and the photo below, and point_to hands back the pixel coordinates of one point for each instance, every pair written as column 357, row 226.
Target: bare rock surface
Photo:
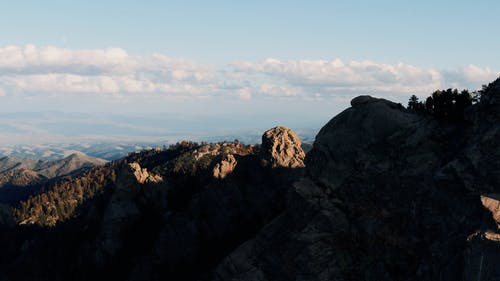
column 142, row 175
column 225, row 166
column 281, row 147
column 344, row 140
column 492, row 203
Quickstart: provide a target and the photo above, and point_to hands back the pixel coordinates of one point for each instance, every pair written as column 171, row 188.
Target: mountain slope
column 20, row 178
column 389, row 196
column 68, row 165
column 8, row 163
column 385, row 194
column 146, row 201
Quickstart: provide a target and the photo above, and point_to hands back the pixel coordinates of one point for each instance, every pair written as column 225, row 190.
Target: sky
column 235, row 64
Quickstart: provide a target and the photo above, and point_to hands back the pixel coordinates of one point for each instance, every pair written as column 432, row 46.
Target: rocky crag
column 384, row 194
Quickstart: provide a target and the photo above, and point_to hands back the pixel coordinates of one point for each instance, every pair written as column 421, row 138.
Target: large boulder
column 225, row 166
column 339, row 143
column 281, row 147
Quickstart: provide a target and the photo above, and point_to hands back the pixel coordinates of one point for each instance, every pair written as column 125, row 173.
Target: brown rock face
column 142, row 175
column 225, row 166
column 492, row 203
column 281, row 147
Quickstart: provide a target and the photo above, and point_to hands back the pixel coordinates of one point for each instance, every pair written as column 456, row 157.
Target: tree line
column 448, row 105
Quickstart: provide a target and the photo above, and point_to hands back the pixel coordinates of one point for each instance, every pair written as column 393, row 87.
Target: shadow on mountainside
column 385, row 194
column 179, row 224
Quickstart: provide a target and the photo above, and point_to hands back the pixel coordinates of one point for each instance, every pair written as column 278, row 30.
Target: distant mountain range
column 20, row 177
column 115, row 149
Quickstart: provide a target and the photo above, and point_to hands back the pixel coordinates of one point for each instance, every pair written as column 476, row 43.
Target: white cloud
column 17, row 58
column 107, row 71
column 115, row 72
column 102, row 84
column 245, row 94
column 277, row 91
column 474, row 73
column 336, row 75
column 2, row 93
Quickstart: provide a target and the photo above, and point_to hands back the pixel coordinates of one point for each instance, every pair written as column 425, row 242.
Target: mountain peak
column 281, row 147
column 74, row 162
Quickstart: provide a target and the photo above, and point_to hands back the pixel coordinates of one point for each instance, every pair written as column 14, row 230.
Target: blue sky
column 444, row 34
column 247, row 59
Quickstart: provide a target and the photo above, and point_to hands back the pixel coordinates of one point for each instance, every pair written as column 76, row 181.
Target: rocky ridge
column 385, row 194
column 389, row 196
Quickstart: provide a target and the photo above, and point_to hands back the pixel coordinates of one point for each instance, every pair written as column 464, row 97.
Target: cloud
column 100, row 84
column 53, row 71
column 53, row 59
column 277, row 91
column 2, row 93
column 336, row 75
column 107, row 71
column 245, row 94
column 474, row 73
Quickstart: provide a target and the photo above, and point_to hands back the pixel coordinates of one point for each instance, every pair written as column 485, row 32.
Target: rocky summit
column 281, row 147
column 385, row 193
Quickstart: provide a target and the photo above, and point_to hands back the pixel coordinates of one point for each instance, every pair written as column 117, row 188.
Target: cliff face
column 389, row 196
column 385, row 194
column 352, row 135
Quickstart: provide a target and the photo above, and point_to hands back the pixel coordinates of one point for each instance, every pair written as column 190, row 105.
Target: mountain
column 115, row 148
column 385, row 193
column 53, row 168
column 390, row 195
column 18, row 183
column 108, row 150
column 10, row 163
column 74, row 163
column 21, row 177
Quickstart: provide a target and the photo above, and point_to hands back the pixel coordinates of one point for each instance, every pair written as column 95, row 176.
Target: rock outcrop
column 125, row 208
column 492, row 203
column 385, row 200
column 142, row 175
column 225, row 166
column 342, row 143
column 281, row 147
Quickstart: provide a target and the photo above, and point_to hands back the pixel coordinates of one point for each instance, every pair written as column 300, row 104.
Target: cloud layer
column 31, row 70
